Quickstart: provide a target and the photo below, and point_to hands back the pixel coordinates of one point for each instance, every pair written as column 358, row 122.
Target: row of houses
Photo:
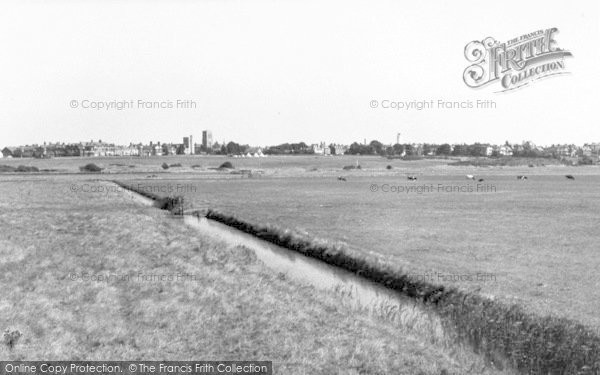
column 324, row 149
column 99, row 148
column 591, row 150
column 85, row 149
column 571, row 150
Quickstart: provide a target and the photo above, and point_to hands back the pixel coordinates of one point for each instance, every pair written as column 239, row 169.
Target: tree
column 460, row 150
column 354, row 149
column 289, row 148
column 357, row 148
column 234, row 148
column 377, row 147
column 444, row 149
column 476, row 149
column 429, row 149
column 398, row 149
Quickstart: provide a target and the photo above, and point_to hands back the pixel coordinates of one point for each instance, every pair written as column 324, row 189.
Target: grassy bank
column 86, row 277
column 531, row 343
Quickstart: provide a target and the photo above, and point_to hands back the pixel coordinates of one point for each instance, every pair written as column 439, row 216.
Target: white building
column 321, row 149
column 505, row 150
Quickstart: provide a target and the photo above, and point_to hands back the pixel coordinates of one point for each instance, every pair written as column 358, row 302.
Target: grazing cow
column 480, row 180
column 470, row 177
column 412, row 178
column 521, row 177
column 340, row 178
column 570, row 177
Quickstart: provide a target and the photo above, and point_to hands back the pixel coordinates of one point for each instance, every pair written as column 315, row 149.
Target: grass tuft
column 11, row 337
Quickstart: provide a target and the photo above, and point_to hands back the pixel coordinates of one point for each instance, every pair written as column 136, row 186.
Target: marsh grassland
column 526, row 242
column 531, row 242
column 97, row 275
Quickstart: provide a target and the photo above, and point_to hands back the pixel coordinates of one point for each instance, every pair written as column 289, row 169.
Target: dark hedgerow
column 171, row 204
column 90, row 167
column 20, row 168
column 24, row 168
column 503, row 333
column 226, row 165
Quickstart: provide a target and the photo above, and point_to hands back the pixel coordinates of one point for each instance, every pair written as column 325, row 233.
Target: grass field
column 83, row 278
column 284, row 166
column 526, row 242
column 529, row 242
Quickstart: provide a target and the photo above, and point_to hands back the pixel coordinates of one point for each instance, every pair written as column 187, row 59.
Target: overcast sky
column 267, row 72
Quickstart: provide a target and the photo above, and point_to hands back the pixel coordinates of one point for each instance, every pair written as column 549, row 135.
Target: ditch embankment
column 506, row 335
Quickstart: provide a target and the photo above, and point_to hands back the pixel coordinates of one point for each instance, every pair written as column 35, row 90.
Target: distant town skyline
column 588, row 154
column 266, row 73
column 207, row 141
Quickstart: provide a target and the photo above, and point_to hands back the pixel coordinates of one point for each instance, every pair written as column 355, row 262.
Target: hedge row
column 171, row 204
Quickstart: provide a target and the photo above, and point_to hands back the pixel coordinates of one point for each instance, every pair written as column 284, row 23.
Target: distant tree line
column 289, row 148
column 377, row 148
column 475, row 150
column 233, row 148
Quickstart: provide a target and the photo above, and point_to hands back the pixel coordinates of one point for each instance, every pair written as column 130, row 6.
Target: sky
column 272, row 71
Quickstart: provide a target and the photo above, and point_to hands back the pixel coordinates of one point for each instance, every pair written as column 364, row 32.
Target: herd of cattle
column 469, row 177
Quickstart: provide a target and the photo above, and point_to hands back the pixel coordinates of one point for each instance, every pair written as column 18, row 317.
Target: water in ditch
column 361, row 293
